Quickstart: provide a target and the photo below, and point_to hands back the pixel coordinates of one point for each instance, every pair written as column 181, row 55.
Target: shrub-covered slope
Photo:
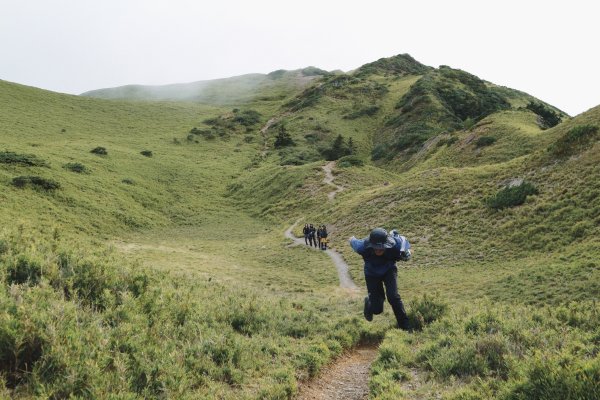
column 201, row 298
column 398, row 113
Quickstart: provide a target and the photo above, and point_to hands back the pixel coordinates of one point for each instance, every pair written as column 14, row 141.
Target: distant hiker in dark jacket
column 306, row 232
column 380, row 252
column 311, row 235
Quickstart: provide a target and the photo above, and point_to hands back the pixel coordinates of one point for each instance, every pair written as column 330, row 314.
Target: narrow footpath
column 341, row 266
column 348, row 377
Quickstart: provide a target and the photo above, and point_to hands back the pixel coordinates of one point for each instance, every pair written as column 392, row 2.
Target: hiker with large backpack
column 323, row 241
column 319, row 237
column 380, row 252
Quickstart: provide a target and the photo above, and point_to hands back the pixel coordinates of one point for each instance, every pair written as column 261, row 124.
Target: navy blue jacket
column 377, row 266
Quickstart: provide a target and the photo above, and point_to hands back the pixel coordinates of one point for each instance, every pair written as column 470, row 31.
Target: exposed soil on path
column 341, row 266
column 329, row 180
column 347, row 379
column 263, row 132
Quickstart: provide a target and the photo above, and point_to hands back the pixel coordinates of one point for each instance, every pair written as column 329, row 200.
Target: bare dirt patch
column 347, row 379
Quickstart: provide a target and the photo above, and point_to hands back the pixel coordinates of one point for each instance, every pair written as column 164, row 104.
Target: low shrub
column 247, row 117
column 511, row 196
column 291, row 156
column 576, row 139
column 283, row 138
column 549, row 117
column 29, row 160
column 350, row 161
column 146, row 153
column 425, row 311
column 366, row 111
column 484, row 141
column 23, row 270
column 101, row 151
column 128, row 181
column 36, row 181
column 76, row 167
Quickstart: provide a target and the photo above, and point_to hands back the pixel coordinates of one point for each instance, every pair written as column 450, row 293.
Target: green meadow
column 142, row 252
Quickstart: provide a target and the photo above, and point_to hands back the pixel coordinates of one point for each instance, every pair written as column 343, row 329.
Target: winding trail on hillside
column 341, row 266
column 347, row 378
column 328, row 180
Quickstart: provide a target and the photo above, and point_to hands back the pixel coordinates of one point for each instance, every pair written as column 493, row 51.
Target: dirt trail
column 329, row 180
column 341, row 266
column 263, row 132
column 347, row 379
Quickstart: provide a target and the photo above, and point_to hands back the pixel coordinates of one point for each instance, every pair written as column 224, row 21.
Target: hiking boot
column 367, row 310
column 404, row 325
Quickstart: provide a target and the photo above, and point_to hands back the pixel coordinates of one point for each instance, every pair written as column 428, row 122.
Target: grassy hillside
column 159, row 269
column 274, row 86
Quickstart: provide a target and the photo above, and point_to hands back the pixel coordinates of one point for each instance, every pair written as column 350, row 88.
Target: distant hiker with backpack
column 380, row 253
column 306, row 232
column 323, row 240
column 319, row 237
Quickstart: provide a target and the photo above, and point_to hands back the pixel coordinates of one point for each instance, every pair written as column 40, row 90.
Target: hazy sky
column 546, row 48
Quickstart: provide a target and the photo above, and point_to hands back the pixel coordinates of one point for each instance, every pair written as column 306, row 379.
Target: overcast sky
column 546, row 48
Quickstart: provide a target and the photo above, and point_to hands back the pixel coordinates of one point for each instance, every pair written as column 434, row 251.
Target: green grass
column 169, row 276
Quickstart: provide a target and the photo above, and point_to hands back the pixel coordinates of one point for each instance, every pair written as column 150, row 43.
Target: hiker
column 380, row 252
column 323, row 241
column 306, row 231
column 319, row 236
column 313, row 232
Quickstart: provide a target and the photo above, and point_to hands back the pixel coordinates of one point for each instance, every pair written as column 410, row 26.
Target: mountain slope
column 159, row 269
column 399, row 113
column 228, row 91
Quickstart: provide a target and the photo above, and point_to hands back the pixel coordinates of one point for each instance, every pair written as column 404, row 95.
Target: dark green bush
column 350, row 161
column 339, row 148
column 36, row 181
column 99, row 150
column 128, row 181
column 552, row 379
column 366, row 111
column 425, row 311
column 76, row 167
column 24, row 270
column 291, row 156
column 283, row 138
column 549, row 117
column 247, row 117
column 576, row 139
column 512, row 196
column 8, row 157
column 146, row 153
column 485, row 141
column 21, row 347
column 447, row 142
column 379, row 152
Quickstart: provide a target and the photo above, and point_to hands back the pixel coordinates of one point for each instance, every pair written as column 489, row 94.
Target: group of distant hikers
column 316, row 237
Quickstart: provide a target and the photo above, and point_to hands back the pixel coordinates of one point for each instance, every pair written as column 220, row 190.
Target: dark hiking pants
column 377, row 295
column 306, row 238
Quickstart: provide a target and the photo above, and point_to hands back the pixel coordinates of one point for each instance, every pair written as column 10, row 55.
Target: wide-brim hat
column 388, row 244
